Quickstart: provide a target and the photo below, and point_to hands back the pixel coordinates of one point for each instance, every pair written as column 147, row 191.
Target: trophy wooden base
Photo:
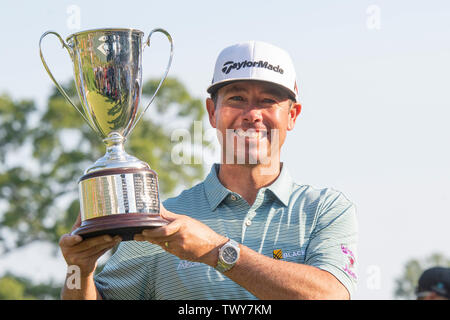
column 124, row 225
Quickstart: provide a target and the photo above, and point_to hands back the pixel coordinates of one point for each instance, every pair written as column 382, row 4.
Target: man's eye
column 236, row 98
column 268, row 100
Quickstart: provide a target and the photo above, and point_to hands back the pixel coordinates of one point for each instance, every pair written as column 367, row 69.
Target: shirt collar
column 282, row 186
column 216, row 192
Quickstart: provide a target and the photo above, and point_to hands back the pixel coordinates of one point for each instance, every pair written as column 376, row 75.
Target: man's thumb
column 77, row 223
column 166, row 214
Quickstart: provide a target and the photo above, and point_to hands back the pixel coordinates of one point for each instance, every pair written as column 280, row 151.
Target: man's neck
column 246, row 180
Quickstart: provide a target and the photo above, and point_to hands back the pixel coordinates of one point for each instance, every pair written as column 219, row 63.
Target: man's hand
column 185, row 237
column 85, row 253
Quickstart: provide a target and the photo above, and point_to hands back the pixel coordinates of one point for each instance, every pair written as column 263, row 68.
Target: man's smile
column 251, row 133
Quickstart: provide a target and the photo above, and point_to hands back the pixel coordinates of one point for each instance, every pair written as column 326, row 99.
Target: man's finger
column 164, row 231
column 79, row 246
column 70, row 241
column 99, row 248
column 95, row 241
column 166, row 214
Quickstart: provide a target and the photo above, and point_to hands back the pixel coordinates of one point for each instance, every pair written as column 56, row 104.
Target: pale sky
column 374, row 84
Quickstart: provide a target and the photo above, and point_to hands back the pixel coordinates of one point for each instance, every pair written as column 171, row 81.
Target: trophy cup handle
column 147, row 43
column 63, row 92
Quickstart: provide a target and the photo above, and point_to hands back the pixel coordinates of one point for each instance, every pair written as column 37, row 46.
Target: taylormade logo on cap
column 254, row 60
column 229, row 65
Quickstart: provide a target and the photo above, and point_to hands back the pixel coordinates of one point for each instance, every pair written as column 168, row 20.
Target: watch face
column 229, row 255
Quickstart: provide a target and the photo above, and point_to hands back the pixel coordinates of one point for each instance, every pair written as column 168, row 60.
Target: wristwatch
column 228, row 256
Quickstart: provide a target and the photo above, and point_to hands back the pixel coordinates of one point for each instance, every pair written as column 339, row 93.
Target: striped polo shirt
column 287, row 221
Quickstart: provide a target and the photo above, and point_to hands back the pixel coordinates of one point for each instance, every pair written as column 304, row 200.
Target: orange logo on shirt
column 278, row 254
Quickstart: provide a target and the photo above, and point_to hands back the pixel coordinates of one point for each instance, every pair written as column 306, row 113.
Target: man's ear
column 294, row 111
column 211, row 109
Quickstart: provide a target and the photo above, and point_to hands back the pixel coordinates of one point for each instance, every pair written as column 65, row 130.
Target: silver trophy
column 118, row 193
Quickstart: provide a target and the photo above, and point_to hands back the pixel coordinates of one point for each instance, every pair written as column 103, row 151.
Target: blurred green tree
column 44, row 151
column 20, row 288
column 406, row 284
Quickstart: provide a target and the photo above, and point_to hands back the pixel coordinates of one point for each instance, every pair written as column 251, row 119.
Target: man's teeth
column 250, row 133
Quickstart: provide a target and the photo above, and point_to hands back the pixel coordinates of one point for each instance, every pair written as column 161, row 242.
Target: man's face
column 252, row 119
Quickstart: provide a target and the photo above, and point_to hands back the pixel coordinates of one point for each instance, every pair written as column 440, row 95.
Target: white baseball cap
column 254, row 60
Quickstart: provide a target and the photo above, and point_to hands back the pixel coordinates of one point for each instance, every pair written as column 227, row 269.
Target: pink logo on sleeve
column 349, row 266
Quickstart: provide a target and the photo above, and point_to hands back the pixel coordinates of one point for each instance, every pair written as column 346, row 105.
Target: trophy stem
column 116, row 156
column 114, row 147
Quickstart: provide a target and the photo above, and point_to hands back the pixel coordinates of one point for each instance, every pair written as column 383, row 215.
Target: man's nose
column 252, row 114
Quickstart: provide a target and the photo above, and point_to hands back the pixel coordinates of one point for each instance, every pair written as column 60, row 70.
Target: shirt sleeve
column 333, row 242
column 125, row 275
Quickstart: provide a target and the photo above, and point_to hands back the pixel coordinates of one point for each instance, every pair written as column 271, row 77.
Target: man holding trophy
column 248, row 231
